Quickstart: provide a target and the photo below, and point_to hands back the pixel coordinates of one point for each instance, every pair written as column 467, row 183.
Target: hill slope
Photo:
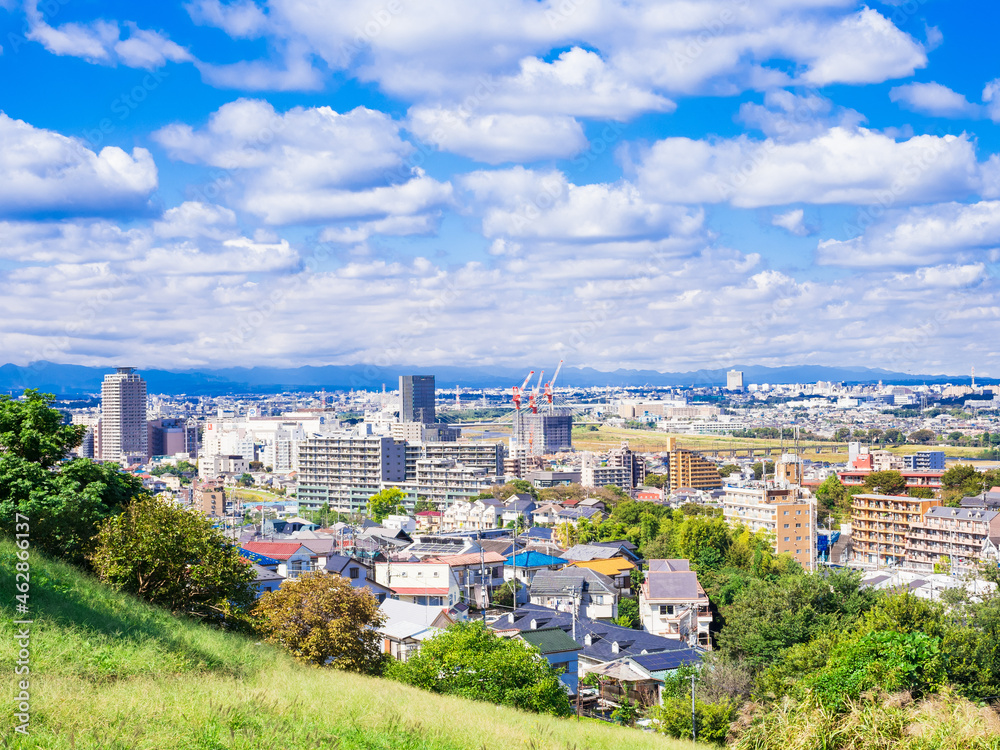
column 109, row 672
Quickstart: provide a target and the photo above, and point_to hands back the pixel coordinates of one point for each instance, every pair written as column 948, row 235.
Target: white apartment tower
column 123, row 416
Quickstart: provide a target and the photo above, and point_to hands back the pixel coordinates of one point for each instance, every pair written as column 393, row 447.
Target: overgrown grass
column 110, row 672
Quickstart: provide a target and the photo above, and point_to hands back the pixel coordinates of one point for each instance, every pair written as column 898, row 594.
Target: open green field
column 649, row 441
column 111, row 673
column 254, row 495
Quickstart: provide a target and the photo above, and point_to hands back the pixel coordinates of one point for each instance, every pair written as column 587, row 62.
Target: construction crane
column 550, row 387
column 533, row 403
column 518, row 392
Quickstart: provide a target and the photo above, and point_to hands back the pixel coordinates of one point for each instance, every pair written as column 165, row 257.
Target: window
column 786, row 512
column 663, row 609
column 798, row 525
column 798, row 539
column 786, row 525
column 354, row 572
column 787, row 538
column 798, row 512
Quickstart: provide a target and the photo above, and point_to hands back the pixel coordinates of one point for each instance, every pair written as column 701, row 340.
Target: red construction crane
column 533, row 397
column 519, row 391
column 550, row 386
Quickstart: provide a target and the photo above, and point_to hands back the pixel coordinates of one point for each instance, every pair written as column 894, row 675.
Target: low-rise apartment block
column 956, row 539
column 881, row 524
column 787, row 517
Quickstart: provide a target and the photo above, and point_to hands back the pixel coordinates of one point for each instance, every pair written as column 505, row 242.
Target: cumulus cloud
column 101, row 42
column 498, row 138
column 309, row 164
column 241, row 20
column 933, row 99
column 44, row 171
column 785, row 116
column 919, row 235
column 853, row 166
column 195, row 219
column 991, row 99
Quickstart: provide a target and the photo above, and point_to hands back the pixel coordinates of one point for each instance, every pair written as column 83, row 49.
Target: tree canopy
column 31, row 429
column 323, row 621
column 885, row 483
column 471, row 661
column 175, row 558
column 385, row 503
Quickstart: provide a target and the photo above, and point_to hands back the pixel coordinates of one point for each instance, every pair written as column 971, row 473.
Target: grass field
column 111, row 673
column 655, row 441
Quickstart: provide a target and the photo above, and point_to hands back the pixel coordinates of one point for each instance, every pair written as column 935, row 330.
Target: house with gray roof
column 673, row 604
column 560, row 650
column 582, row 590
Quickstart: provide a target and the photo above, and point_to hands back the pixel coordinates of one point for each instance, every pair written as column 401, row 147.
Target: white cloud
column 544, row 205
column 309, row 164
column 241, row 20
column 933, row 99
column 296, row 73
column 41, row 170
column 498, row 138
column 397, row 226
column 991, row 99
column 195, row 219
column 843, row 165
column 792, row 221
column 920, row 235
column 785, row 116
column 101, row 42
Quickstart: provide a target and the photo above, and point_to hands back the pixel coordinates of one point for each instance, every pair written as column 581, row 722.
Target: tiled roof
column 611, row 567
column 468, row 558
column 550, row 640
column 532, row 559
column 669, row 565
column 562, row 581
column 277, row 550
column 675, row 585
column 256, row 557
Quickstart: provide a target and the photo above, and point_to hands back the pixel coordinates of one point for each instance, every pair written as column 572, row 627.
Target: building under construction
column 546, row 432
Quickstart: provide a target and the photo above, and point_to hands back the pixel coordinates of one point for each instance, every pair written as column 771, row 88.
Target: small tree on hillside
column 174, row 557
column 323, row 621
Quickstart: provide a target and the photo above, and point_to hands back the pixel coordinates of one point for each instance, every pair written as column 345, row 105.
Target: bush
column 713, row 719
column 323, row 621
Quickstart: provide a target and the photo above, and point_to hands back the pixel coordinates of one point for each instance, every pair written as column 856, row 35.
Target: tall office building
column 417, row 394
column 123, row 416
column 734, row 380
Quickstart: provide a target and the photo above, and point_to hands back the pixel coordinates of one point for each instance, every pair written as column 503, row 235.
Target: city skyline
column 661, row 186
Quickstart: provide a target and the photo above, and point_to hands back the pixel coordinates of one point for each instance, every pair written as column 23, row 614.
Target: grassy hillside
column 110, row 672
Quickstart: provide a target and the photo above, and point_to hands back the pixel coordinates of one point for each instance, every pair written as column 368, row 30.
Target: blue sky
column 654, row 184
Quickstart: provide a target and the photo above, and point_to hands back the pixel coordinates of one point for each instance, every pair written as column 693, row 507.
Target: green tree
column 324, row 621
column 504, row 596
column 514, row 487
column 628, row 612
column 31, row 429
column 885, row 483
column 386, row 503
column 245, row 480
column 921, row 436
column 832, row 495
column 471, row 661
column 924, row 493
column 657, row 480
column 726, row 469
column 173, row 557
column 962, row 480
column 760, row 469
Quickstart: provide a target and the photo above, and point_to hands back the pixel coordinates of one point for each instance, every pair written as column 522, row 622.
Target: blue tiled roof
column 533, row 559
column 258, row 558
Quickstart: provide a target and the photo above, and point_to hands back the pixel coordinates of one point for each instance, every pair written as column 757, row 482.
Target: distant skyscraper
column 417, row 394
column 123, row 415
column 734, row 380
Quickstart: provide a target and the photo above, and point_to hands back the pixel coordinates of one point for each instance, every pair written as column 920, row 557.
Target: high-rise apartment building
column 734, row 380
column 123, row 431
column 417, row 395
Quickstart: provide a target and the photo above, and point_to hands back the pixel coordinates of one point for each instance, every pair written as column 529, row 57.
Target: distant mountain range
column 67, row 380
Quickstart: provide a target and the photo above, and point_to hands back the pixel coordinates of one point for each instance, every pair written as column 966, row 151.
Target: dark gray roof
column 668, row 565
column 979, row 514
column 603, row 635
column 665, row 660
column 679, row 585
column 587, row 552
column 551, row 582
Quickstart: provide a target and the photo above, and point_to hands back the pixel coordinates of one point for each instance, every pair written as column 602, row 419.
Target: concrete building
column 417, row 395
column 924, row 461
column 545, row 433
column 123, row 430
column 880, row 526
column 955, row 539
column 673, row 604
column 445, row 482
column 788, row 518
column 429, row 584
column 622, row 468
column 689, row 469
column 734, row 380
column 345, row 470
column 210, row 498
column 168, row 437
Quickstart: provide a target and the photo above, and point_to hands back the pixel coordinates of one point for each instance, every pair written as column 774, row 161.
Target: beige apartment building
column 881, row 525
column 786, row 515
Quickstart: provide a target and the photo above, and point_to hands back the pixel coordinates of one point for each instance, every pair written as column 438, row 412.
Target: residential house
column 430, row 584
column 640, row 677
column 266, row 569
column 673, row 604
column 408, row 625
column 601, row 642
column 602, row 551
column 618, row 569
column 428, row 521
column 357, row 572
column 559, row 650
column 581, row 590
column 483, row 513
column 518, row 510
column 546, row 514
column 477, row 573
column 293, row 558
column 526, row 564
